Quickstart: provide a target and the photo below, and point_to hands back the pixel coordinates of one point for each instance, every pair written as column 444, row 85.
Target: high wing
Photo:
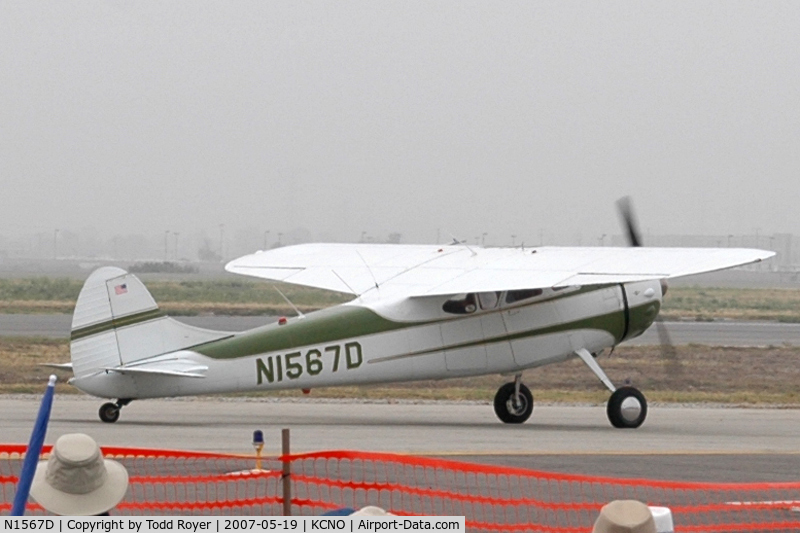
column 428, row 270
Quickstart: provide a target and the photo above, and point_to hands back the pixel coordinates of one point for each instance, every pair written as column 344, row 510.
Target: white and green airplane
column 419, row 312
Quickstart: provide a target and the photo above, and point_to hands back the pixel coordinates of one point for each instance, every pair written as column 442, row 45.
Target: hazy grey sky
column 343, row 117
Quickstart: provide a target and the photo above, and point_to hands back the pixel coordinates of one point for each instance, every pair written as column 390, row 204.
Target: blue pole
column 34, row 450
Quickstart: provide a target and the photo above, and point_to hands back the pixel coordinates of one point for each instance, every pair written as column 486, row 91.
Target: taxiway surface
column 682, row 443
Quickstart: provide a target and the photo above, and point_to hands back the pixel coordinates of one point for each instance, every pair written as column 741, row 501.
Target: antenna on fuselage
column 288, row 301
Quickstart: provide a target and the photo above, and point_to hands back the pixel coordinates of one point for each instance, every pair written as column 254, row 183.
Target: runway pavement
column 722, row 333
column 700, row 444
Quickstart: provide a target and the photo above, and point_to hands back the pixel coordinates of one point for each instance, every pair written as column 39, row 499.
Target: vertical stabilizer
column 92, row 345
column 117, row 322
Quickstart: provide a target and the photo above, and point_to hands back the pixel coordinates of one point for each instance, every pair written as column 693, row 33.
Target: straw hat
column 625, row 516
column 76, row 480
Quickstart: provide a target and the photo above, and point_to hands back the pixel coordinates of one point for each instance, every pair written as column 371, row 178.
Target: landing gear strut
column 109, row 412
column 627, row 407
column 513, row 403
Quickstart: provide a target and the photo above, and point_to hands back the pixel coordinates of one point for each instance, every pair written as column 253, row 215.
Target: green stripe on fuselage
column 349, row 321
column 320, row 327
column 326, row 326
column 613, row 323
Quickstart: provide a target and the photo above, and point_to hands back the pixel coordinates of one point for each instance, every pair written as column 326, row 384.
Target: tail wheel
column 627, row 408
column 109, row 412
column 510, row 408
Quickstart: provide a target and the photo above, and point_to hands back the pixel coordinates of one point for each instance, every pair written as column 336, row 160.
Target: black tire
column 633, row 415
column 504, row 406
column 109, row 412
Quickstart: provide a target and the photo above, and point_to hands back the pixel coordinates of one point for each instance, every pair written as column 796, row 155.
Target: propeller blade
column 672, row 363
column 625, row 207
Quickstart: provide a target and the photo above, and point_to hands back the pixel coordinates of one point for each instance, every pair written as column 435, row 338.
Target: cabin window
column 524, row 294
column 488, row 300
column 462, row 304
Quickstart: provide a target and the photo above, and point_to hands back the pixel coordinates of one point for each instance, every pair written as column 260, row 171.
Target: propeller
column 672, row 364
column 625, row 208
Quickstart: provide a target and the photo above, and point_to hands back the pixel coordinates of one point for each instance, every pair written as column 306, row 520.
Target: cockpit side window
column 523, row 294
column 488, row 300
column 461, row 304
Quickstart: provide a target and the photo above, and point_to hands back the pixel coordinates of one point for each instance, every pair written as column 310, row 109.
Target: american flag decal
column 121, row 289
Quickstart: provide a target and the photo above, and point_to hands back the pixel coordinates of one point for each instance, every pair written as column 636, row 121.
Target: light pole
column 176, row 244
column 266, row 233
column 483, row 239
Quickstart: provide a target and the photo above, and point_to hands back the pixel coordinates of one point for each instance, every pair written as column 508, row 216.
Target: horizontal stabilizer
column 59, row 366
column 155, row 371
column 173, row 367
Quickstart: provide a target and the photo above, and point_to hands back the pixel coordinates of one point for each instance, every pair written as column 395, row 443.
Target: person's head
column 625, row 516
column 76, row 480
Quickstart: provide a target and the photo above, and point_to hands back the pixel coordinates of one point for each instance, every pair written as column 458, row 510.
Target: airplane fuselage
column 384, row 340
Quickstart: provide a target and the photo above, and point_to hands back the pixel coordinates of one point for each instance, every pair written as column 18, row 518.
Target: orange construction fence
column 492, row 498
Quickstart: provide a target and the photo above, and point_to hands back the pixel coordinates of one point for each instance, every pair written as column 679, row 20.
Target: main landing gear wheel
column 109, row 412
column 627, row 408
column 509, row 407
